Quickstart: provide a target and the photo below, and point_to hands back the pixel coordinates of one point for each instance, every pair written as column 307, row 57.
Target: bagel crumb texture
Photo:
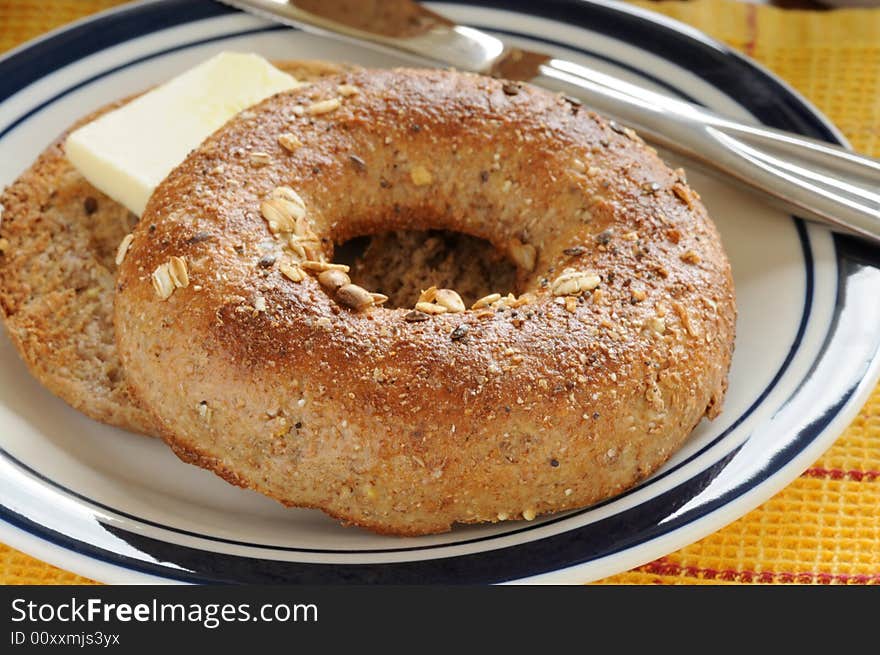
column 609, row 346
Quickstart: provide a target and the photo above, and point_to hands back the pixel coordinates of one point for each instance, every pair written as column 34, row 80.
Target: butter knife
column 808, row 177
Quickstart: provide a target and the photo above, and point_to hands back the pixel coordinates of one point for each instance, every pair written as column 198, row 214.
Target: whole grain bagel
column 263, row 364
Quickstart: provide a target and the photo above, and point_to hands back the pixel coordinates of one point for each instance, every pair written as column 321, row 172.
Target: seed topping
column 162, row 283
column 421, row 176
column 358, row 163
column 284, row 211
column 574, row 283
column 122, row 250
column 333, row 279
column 178, row 272
column 305, row 247
column 450, row 300
column 292, row 272
column 690, row 257
column 430, row 308
column 311, row 265
column 169, row 276
column 260, row 158
column 289, row 142
column 347, row 90
column 511, row 88
column 604, row 238
column 615, row 127
column 460, row 332
column 656, row 324
column 684, row 194
column 323, row 107
column 524, row 254
column 204, row 410
column 354, row 297
column 485, row 301
column 428, row 294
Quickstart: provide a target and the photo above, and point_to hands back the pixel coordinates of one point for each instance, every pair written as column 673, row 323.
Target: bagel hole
column 401, row 264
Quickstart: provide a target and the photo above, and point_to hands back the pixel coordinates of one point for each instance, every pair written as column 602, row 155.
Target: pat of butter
column 126, row 153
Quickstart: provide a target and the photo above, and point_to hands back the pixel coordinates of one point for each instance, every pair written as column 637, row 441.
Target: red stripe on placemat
column 665, row 567
column 840, row 474
column 752, row 24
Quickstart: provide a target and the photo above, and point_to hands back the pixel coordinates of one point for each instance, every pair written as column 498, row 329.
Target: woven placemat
column 825, row 526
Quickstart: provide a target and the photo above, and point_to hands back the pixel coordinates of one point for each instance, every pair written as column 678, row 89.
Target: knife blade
column 808, row 177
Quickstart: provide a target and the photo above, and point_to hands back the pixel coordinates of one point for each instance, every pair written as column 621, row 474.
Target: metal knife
column 808, row 177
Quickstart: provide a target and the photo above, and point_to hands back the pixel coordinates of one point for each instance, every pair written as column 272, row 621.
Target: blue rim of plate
column 759, row 92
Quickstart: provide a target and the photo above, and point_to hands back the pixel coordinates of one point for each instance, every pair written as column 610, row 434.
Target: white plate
column 121, row 508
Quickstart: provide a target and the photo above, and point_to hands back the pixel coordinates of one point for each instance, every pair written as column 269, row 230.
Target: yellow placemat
column 825, row 526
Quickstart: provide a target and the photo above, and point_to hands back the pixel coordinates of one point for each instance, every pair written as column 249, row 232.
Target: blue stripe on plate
column 27, row 65
column 498, row 565
column 159, row 53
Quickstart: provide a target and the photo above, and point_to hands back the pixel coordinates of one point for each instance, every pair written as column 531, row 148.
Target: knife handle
column 814, row 179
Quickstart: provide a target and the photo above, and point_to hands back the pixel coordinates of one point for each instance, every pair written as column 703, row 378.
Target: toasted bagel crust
column 409, row 427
